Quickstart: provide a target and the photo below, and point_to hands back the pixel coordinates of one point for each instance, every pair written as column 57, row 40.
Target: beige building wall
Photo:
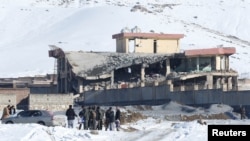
column 168, row 46
column 7, row 99
column 144, row 46
column 53, row 102
column 147, row 46
column 20, row 95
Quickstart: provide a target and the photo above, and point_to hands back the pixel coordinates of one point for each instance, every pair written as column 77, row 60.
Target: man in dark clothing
column 82, row 118
column 99, row 118
column 117, row 118
column 86, row 117
column 111, row 119
column 242, row 112
column 70, row 113
column 12, row 110
column 92, row 118
column 107, row 115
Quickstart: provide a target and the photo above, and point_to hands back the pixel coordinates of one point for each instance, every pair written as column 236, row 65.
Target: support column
column 218, row 83
column 235, row 83
column 226, row 63
column 223, row 80
column 80, row 86
column 197, row 64
column 170, row 84
column 182, row 87
column 156, row 83
column 196, row 87
column 171, row 87
column 167, row 67
column 142, row 73
column 14, row 83
column 209, row 81
column 229, row 83
column 112, row 78
column 96, row 87
column 224, row 85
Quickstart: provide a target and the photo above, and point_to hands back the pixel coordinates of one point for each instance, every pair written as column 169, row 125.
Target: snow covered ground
column 28, row 27
column 156, row 127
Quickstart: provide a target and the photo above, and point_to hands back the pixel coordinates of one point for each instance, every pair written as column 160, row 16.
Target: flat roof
column 148, row 35
column 211, row 51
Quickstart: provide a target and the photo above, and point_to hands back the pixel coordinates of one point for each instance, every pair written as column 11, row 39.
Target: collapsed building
column 142, row 60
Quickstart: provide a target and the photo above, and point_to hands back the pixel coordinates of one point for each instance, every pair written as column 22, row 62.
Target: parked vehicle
column 42, row 117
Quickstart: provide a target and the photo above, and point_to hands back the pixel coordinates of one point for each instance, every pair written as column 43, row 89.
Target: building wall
column 144, row 46
column 162, row 94
column 122, row 45
column 147, row 46
column 54, row 102
column 167, row 46
column 7, row 99
column 20, row 94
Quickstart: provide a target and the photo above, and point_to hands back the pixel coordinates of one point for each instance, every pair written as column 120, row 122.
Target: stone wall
column 14, row 96
column 7, row 99
column 53, row 102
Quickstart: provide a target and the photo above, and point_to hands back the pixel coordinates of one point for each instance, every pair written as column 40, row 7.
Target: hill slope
column 29, row 26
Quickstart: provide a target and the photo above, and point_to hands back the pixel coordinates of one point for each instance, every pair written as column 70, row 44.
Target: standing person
column 81, row 117
column 111, row 119
column 6, row 112
column 92, row 118
column 86, row 117
column 107, row 114
column 242, row 112
column 70, row 113
column 117, row 118
column 99, row 118
column 12, row 110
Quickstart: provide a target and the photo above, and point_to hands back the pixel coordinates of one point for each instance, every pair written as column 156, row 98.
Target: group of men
column 94, row 118
column 112, row 119
column 8, row 110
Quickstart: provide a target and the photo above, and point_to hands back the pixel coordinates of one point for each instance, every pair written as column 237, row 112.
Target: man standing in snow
column 107, row 119
column 70, row 113
column 92, row 118
column 81, row 117
column 242, row 112
column 117, row 118
column 111, row 119
column 99, row 118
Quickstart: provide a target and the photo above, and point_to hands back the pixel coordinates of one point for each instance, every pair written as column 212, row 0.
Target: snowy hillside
column 28, row 27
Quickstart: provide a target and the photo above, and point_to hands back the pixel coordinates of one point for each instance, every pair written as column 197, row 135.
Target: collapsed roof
column 96, row 65
column 101, row 64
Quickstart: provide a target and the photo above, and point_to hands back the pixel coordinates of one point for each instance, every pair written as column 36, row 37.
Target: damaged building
column 144, row 60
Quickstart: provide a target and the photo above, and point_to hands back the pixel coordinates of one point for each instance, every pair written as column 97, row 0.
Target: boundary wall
column 162, row 94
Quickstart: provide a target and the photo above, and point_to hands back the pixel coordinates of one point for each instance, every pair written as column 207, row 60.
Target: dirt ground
column 130, row 116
